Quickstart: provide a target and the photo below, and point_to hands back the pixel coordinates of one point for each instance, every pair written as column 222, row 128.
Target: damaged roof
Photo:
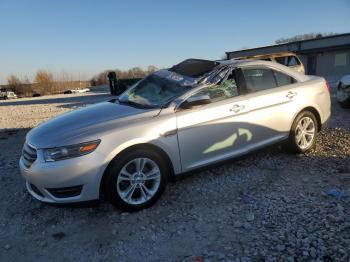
column 192, row 72
column 194, row 67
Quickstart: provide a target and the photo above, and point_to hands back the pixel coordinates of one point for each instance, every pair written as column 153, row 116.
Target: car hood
column 85, row 124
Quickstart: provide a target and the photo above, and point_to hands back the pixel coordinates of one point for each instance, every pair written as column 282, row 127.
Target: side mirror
column 195, row 101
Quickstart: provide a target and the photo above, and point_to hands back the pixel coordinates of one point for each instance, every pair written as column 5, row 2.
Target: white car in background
column 76, row 91
column 343, row 91
column 8, row 95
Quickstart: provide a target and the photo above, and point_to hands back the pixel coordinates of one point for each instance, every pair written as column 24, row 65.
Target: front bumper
column 79, row 178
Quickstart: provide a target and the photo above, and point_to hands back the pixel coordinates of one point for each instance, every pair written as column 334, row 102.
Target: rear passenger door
column 271, row 94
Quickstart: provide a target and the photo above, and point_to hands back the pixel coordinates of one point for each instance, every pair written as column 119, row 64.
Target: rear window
column 283, row 79
column 287, row 60
column 258, row 79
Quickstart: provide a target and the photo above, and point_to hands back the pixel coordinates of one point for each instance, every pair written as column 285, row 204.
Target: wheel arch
column 315, row 112
column 147, row 146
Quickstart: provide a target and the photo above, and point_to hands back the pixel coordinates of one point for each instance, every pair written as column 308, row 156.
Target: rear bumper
column 325, row 124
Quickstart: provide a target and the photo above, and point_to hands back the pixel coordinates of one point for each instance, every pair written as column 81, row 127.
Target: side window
column 281, row 60
column 259, row 79
column 224, row 90
column 287, row 60
column 292, row 61
column 283, row 79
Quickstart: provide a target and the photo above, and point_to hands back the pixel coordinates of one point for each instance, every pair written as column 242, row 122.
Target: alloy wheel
column 305, row 132
column 138, row 181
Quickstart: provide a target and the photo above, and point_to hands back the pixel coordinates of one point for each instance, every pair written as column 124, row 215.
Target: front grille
column 29, row 155
column 65, row 192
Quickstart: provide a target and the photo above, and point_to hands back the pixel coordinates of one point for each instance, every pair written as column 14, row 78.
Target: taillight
column 328, row 86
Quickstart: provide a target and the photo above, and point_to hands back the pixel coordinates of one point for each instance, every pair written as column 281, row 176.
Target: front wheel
column 136, row 180
column 303, row 134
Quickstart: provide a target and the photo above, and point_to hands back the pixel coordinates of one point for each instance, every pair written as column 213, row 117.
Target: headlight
column 64, row 152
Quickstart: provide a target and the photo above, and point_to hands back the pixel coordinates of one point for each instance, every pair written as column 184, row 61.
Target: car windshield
column 153, row 92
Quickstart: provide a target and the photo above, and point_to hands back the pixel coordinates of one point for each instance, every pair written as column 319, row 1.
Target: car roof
column 254, row 62
column 198, row 68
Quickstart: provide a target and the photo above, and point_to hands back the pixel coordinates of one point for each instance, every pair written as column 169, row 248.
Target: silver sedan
column 192, row 115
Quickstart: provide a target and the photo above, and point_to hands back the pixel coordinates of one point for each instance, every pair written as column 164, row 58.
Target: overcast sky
column 89, row 36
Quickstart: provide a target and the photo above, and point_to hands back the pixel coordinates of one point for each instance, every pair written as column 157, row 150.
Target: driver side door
column 212, row 132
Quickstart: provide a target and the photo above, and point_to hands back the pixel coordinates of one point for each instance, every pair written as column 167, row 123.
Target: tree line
column 135, row 72
column 303, row 37
column 46, row 82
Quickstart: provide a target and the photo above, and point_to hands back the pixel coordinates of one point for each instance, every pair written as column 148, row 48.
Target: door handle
column 291, row 94
column 236, row 108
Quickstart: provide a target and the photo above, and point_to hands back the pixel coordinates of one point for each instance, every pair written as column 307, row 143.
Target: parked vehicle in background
column 288, row 59
column 343, row 91
column 76, row 91
column 7, row 95
column 175, row 120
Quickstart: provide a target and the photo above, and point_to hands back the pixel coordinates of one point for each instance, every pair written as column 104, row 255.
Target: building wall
column 327, row 67
column 331, row 65
column 327, row 51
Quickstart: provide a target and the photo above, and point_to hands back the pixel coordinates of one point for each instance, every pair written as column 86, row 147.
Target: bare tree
column 151, row 69
column 135, row 72
column 13, row 82
column 22, row 87
column 303, row 37
column 44, row 81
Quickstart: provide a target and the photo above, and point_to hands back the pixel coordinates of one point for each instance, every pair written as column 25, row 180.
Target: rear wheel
column 303, row 134
column 136, row 180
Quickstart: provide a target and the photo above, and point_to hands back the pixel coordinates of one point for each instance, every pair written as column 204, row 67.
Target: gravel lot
column 268, row 206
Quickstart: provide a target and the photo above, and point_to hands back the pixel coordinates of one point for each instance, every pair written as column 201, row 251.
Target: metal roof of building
column 333, row 42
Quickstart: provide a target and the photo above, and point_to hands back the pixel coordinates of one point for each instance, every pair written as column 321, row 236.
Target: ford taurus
column 193, row 114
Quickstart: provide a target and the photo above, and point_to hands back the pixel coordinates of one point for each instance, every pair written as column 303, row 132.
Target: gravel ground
column 267, row 206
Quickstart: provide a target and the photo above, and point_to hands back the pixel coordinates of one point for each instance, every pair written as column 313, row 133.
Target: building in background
column 324, row 56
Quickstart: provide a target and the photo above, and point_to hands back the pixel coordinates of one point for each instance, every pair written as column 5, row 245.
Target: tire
column 131, row 191
column 302, row 141
column 343, row 101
